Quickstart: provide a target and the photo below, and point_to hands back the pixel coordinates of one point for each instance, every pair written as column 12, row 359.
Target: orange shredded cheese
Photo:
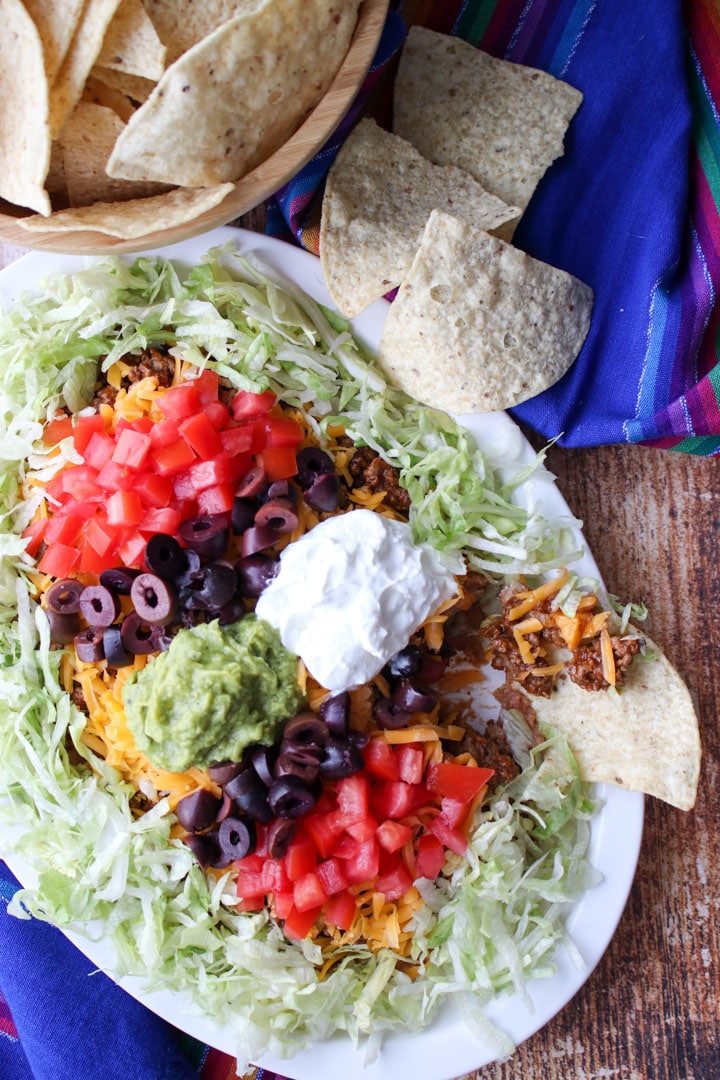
column 532, row 597
column 529, row 626
column 608, row 659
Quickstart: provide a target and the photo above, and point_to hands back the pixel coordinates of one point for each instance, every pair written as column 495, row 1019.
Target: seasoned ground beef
column 78, row 699
column 155, row 361
column 504, row 655
column 491, row 751
column 585, row 666
column 368, row 469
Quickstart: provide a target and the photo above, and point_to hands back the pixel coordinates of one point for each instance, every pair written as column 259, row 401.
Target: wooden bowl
column 251, row 189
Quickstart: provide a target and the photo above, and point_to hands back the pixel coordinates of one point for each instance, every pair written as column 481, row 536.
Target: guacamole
column 216, row 690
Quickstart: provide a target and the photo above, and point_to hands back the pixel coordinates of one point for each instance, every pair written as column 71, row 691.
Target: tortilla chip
column 180, row 24
column 234, row 98
column 131, row 43
column 645, row 739
column 379, row 194
column 87, row 41
column 24, row 133
column 56, row 21
column 478, row 325
column 88, row 137
column 504, row 123
column 138, row 217
column 98, row 93
column 135, row 87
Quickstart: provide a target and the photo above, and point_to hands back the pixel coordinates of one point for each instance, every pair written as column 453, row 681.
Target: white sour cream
column 350, row 593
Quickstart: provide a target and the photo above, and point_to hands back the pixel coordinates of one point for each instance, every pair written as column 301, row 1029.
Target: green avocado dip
column 215, row 691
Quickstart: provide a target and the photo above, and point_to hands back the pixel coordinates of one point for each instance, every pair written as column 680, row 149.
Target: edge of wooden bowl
column 251, row 189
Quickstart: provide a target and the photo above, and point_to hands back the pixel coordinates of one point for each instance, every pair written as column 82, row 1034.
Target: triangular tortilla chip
column 234, row 98
column 87, row 41
column 138, row 217
column 504, row 123
column 56, row 21
column 131, row 43
column 478, row 325
column 180, row 24
column 24, row 132
column 645, row 738
column 379, row 194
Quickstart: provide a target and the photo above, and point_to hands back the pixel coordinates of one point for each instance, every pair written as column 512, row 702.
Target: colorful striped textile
column 633, row 207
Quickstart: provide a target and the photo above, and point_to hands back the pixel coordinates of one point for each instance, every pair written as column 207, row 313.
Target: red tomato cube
column 340, row 910
column 332, row 876
column 200, row 434
column 308, row 892
column 429, row 856
column 395, row 881
column 132, row 449
column 461, row 782
column 59, row 560
column 411, row 763
column 381, row 760
column 246, row 405
column 392, row 835
column 179, row 402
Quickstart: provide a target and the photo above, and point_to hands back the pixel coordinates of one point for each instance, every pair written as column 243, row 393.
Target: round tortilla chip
column 379, row 194
column 235, row 97
column 645, row 738
column 478, row 325
column 25, row 131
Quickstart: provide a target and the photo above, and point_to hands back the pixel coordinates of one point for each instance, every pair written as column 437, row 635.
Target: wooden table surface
column 651, row 1009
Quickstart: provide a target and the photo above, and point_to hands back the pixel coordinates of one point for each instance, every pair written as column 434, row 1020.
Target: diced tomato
column 216, row 500
column 282, row 431
column 143, row 424
column 94, row 562
column 394, row 799
column 85, row 428
column 283, row 904
column 365, row 864
column 217, row 413
column 164, row 433
column 207, row 385
column 364, row 829
column 237, row 440
column 251, row 903
column 124, row 508
column 59, row 560
column 200, row 434
column 183, row 487
column 100, row 536
column 352, row 797
column 279, row 462
column 131, row 550
column 83, row 510
column 453, row 812
column 340, row 910
column 246, row 405
column 250, row 862
column 210, row 473
column 274, row 876
column 99, row 450
column 298, row 924
column 114, row 477
column 332, row 876
column 172, row 459
column 380, row 760
column 451, row 838
column 429, row 856
column 63, row 529
column 57, row 429
column 154, row 490
column 132, row 449
column 392, row 835
column 162, row 519
column 300, row 858
column 395, row 881
column 308, row 892
column 181, row 401
column 80, row 483
column 346, row 847
column 34, row 534
column 411, row 763
column 460, row 782
column 249, row 883
column 324, row 831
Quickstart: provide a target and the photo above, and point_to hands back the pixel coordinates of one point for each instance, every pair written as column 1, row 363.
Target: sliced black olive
column 212, row 589
column 243, row 514
column 253, row 483
column 258, row 538
column 227, row 807
column 388, row 715
column 358, row 738
column 406, row 662
column 281, row 489
column 225, row 771
column 89, row 645
column 208, row 534
column 255, row 573
column 413, row 697
column 300, row 761
column 119, row 579
column 198, row 810
column 237, row 838
column 154, row 599
column 64, row 596
column 311, row 463
column 289, row 797
column 98, row 606
column 116, row 654
column 232, row 612
column 263, row 762
column 335, row 711
column 165, row 557
column 341, row 758
column 280, row 836
column 63, row 628
column 277, row 514
column 137, row 635
column 324, row 492
column 306, row 729
column 205, row 848
column 193, row 570
column 250, row 795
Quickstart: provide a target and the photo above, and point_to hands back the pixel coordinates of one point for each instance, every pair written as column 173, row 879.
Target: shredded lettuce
column 496, row 919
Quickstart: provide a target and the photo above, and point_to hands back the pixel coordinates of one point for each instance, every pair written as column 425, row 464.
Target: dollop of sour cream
column 350, row 593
